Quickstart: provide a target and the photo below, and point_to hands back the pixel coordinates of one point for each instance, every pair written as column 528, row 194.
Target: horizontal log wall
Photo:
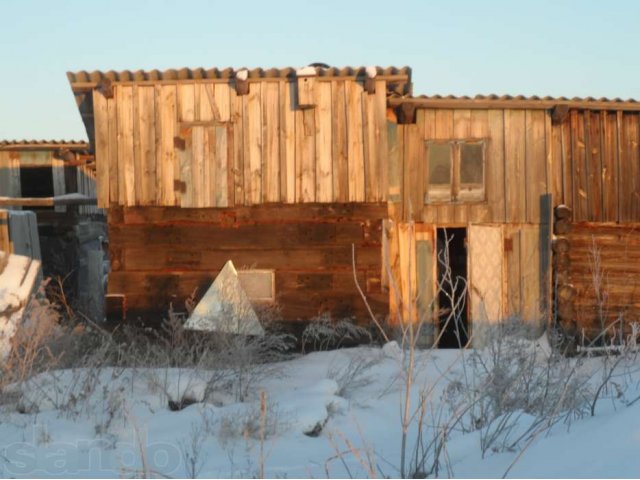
column 199, row 144
column 618, row 248
column 161, row 255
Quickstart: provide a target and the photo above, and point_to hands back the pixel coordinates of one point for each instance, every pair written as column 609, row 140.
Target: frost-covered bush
column 322, row 333
column 512, row 378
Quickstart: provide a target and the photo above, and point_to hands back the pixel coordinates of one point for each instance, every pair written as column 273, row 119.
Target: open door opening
column 452, row 279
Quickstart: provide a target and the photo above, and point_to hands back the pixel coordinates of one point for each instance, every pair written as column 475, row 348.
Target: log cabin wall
column 161, row 255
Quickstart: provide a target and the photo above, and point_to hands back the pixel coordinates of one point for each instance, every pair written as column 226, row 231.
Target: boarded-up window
column 259, row 285
column 455, row 171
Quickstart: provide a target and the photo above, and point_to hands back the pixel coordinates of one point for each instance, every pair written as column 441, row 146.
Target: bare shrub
column 259, row 421
column 322, row 333
column 191, row 449
column 513, row 377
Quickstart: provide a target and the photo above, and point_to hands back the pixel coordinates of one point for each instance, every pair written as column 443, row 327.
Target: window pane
column 439, row 164
column 471, row 164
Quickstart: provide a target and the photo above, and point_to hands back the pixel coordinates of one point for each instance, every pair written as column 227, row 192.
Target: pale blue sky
column 542, row 47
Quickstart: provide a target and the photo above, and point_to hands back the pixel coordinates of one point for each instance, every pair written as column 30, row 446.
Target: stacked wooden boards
column 162, row 255
column 200, row 144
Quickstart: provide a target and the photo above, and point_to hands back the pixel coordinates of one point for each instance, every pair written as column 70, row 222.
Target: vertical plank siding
column 590, row 162
column 200, row 144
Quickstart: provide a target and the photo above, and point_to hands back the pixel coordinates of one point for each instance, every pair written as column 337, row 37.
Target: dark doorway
column 452, row 280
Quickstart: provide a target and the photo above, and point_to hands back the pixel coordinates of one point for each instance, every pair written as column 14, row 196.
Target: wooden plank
column 287, row 143
column 186, row 102
column 535, row 163
column 237, row 103
column 305, row 156
column 340, row 153
column 408, row 280
column 555, row 148
column 137, row 157
column 425, row 280
column 414, row 153
column 566, row 146
column 253, row 141
column 554, row 173
column 444, row 131
column 372, row 171
column 166, row 109
column 220, row 188
column 429, row 211
column 355, row 139
column 274, row 214
column 515, row 145
column 271, row 146
column 324, row 159
column 594, row 159
column 530, row 274
column 197, row 168
column 5, row 240
column 10, row 174
column 147, row 176
column 480, row 212
column 57, row 173
column 630, row 170
column 222, row 101
column 206, row 110
column 395, row 172
column 209, row 167
column 126, row 171
column 579, row 157
column 461, row 130
column 258, row 236
column 205, row 257
column 114, row 178
column 380, row 138
column 610, row 177
column 392, row 270
column 101, row 136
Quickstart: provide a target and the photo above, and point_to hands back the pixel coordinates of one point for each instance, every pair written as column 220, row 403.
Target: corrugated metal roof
column 511, row 101
column 225, row 73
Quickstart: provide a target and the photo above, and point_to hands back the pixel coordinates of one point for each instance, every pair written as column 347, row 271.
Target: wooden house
column 55, row 180
column 283, row 170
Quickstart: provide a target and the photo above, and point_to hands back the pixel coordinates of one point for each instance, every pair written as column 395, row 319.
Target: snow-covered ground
column 326, row 414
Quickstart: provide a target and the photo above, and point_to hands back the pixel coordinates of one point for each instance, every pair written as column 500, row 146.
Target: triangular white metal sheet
column 225, row 307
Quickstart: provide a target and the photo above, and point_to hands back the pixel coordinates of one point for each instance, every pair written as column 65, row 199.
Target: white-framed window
column 455, row 171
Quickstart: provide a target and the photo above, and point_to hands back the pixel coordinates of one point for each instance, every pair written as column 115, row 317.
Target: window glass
column 439, row 164
column 471, row 164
